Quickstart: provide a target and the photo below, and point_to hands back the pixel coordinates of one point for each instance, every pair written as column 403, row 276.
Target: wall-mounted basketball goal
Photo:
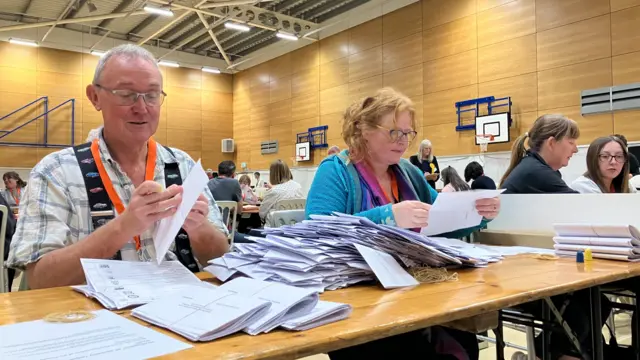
column 314, row 138
column 488, row 116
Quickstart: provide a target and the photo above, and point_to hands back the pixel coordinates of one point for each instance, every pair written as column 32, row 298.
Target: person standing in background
column 333, row 150
column 13, row 188
column 634, row 164
column 427, row 162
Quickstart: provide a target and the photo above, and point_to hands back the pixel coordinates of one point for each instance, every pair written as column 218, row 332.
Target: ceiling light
column 211, row 70
column 97, row 53
column 168, row 63
column 236, row 26
column 287, row 36
column 23, row 42
column 92, row 6
column 158, row 11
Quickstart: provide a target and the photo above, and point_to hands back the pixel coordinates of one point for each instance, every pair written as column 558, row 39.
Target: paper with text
column 106, row 337
column 390, row 274
column 168, row 228
column 324, row 313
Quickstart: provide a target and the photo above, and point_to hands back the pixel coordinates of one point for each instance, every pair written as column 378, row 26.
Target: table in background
column 377, row 314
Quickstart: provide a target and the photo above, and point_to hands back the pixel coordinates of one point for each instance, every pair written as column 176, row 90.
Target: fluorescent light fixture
column 211, row 70
column 158, row 10
column 287, row 36
column 168, row 63
column 97, row 53
column 236, row 26
column 23, row 42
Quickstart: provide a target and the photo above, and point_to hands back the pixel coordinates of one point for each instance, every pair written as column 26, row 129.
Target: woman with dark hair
column 607, row 168
column 475, row 172
column 452, row 181
column 13, row 188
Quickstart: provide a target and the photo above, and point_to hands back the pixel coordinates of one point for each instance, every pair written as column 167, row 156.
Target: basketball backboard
column 303, row 151
column 496, row 125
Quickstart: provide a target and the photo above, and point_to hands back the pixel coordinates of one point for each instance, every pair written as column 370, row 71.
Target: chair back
column 4, row 278
column 285, row 217
column 229, row 212
column 291, row 204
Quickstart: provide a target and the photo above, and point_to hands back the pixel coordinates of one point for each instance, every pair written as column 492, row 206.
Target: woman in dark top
column 475, row 172
column 427, row 162
column 552, row 143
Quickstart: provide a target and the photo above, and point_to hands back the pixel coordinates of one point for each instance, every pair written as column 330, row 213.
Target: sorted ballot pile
column 606, row 241
column 332, row 252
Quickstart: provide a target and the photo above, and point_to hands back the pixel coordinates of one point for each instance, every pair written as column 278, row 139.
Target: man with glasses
column 103, row 199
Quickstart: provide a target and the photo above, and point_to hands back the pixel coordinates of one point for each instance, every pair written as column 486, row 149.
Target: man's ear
column 92, row 95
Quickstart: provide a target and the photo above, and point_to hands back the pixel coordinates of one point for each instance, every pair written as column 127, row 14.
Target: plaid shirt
column 54, row 210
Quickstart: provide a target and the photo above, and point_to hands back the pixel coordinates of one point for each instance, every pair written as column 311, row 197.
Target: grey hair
column 425, row 143
column 129, row 51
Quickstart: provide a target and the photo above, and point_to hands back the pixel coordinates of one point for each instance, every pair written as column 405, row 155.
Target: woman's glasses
column 396, row 135
column 608, row 157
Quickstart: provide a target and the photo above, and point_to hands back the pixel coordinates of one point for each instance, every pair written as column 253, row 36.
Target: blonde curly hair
column 367, row 113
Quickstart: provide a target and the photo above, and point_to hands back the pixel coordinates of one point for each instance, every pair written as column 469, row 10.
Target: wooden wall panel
column 507, row 59
column 365, row 36
column 626, row 68
column 439, row 107
column 511, row 20
column 300, row 126
column 591, row 127
column 561, row 87
column 451, row 72
column 16, row 80
column 363, row 88
column 625, row 32
column 305, row 106
column 21, row 57
column 187, row 98
column 280, row 67
column 334, row 47
column 280, row 89
column 623, row 4
column 334, row 73
column 523, row 90
column 305, row 81
column 184, row 78
column 279, row 112
column 450, row 38
column 217, row 122
column 334, row 100
column 59, row 61
column 216, row 101
column 582, row 41
column 552, row 13
column 334, row 122
column 217, row 82
column 402, row 52
column 305, row 58
column 490, row 4
column 365, row 64
column 626, row 122
column 184, row 119
column 407, row 80
column 438, row 12
column 260, row 94
column 402, row 22
column 282, row 132
column 187, row 140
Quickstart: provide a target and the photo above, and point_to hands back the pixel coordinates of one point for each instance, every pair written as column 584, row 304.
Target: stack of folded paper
column 606, row 241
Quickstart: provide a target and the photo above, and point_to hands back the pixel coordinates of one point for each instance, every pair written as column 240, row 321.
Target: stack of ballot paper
column 243, row 304
column 606, row 241
column 332, row 252
column 122, row 284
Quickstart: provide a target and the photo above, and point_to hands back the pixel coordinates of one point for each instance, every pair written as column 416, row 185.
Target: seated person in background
column 426, row 162
column 10, row 229
column 14, row 186
column 634, row 164
column 551, row 144
column 475, row 172
column 282, row 188
column 73, row 196
column 260, row 183
column 452, row 181
column 209, row 173
column 225, row 187
column 248, row 196
column 371, row 180
column 607, row 168
column 333, row 150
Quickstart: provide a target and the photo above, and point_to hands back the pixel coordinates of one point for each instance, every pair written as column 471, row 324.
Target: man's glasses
column 128, row 97
column 396, row 135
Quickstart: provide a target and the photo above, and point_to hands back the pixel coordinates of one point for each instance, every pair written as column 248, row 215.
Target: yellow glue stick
column 588, row 256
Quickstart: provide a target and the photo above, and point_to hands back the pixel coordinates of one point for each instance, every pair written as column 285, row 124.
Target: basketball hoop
column 296, row 159
column 483, row 141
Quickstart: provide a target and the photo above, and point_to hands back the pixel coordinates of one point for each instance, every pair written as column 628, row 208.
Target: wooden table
column 251, row 209
column 377, row 313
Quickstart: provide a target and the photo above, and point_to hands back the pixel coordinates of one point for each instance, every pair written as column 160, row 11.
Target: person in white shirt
column 283, row 188
column 607, row 168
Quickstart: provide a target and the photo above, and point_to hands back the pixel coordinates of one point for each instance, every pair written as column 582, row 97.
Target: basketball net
column 483, row 142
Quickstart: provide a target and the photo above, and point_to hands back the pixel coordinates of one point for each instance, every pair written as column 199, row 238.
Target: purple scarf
column 372, row 193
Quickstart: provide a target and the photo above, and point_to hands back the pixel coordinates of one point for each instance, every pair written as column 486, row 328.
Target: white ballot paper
column 168, row 228
column 203, row 314
column 456, row 210
column 287, row 302
column 390, row 274
column 122, row 284
column 106, row 337
column 324, row 313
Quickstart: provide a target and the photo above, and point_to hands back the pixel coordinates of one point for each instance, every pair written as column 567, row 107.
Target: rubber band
column 428, row 275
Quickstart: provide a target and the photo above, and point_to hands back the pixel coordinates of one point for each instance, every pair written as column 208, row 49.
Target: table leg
column 499, row 332
column 635, row 321
column 546, row 330
column 596, row 323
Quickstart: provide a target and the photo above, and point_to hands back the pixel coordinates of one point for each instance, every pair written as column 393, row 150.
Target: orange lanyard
column 108, row 185
column 394, row 189
column 16, row 199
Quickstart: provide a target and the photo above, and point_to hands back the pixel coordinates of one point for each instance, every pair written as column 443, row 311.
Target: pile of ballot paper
column 332, row 252
column 606, row 241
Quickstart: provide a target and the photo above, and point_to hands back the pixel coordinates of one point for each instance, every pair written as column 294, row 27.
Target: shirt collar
column 163, row 156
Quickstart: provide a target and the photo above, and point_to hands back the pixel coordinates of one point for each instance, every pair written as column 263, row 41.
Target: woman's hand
column 488, row 208
column 431, row 177
column 411, row 214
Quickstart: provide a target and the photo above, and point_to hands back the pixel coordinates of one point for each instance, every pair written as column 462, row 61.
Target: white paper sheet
column 106, row 337
column 598, row 230
column 456, row 210
column 168, row 228
column 325, row 312
column 599, row 241
column 386, row 268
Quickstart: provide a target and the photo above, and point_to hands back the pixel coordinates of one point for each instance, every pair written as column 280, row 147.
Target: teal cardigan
column 336, row 187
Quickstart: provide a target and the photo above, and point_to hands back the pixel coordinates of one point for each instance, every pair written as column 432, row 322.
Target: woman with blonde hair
column 282, row 188
column 371, row 179
column 427, row 162
column 535, row 169
column 248, row 196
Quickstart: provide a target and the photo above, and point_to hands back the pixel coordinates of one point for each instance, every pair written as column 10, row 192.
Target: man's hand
column 198, row 215
column 148, row 205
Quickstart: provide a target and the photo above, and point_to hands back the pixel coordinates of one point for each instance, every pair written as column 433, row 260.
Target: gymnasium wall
column 195, row 116
column 540, row 52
